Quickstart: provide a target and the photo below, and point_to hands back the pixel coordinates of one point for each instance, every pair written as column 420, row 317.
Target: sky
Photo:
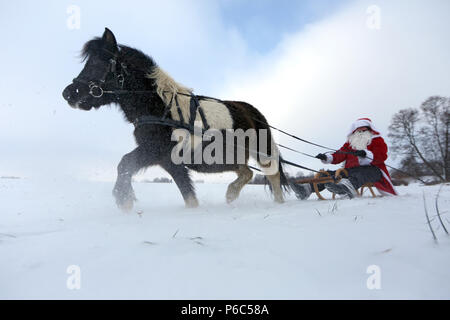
column 311, row 67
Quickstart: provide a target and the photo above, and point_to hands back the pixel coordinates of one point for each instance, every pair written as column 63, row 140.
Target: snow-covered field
column 252, row 249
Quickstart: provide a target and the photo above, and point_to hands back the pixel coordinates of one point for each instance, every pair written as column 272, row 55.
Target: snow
column 251, row 249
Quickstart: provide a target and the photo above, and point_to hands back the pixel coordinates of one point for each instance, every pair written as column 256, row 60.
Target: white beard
column 359, row 140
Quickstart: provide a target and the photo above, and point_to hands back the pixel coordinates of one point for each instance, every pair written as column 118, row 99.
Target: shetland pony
column 117, row 74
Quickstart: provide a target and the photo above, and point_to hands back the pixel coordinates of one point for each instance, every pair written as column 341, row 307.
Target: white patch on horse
column 216, row 113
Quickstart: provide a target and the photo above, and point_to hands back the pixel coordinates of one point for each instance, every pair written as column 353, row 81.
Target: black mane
column 90, row 48
column 135, row 58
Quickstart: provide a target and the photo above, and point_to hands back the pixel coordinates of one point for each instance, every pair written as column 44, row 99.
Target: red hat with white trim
column 362, row 122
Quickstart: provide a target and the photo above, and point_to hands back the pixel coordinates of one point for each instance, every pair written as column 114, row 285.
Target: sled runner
column 324, row 177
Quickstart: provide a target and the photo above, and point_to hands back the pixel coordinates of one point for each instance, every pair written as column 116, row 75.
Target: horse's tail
column 284, row 181
column 285, row 184
column 272, row 151
column 258, row 122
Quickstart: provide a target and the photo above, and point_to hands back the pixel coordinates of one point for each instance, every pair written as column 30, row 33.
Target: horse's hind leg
column 234, row 189
column 274, row 180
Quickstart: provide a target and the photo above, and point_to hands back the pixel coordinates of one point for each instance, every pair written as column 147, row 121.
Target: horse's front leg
column 180, row 175
column 130, row 164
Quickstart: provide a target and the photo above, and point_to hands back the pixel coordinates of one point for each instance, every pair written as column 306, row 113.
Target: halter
column 98, row 87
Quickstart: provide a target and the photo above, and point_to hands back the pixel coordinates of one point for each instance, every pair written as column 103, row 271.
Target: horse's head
column 101, row 76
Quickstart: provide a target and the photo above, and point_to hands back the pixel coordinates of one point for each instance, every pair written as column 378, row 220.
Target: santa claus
column 364, row 154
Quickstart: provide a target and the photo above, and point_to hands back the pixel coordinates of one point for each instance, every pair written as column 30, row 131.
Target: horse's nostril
column 66, row 93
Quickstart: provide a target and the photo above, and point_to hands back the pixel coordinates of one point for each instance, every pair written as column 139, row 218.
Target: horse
column 158, row 106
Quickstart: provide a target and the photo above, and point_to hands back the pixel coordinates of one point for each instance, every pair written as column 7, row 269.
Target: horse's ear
column 109, row 38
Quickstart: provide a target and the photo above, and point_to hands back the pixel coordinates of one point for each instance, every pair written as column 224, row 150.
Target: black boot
column 302, row 191
column 343, row 187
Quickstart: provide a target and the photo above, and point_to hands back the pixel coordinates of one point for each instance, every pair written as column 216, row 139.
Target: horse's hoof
column 191, row 203
column 232, row 194
column 279, row 200
column 126, row 206
column 231, row 197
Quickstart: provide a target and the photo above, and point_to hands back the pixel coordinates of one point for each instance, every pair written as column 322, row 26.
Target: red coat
column 376, row 155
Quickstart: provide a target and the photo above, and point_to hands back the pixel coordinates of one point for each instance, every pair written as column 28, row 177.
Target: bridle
column 97, row 88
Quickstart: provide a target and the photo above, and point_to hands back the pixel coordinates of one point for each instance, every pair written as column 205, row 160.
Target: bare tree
column 436, row 111
column 422, row 136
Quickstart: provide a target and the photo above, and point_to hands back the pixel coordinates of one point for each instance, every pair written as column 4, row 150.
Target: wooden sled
column 325, row 177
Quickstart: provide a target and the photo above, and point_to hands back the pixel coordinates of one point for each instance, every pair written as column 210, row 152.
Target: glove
column 322, row 156
column 360, row 153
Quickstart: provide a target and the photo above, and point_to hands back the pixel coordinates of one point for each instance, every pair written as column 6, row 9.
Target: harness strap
column 167, row 109
column 152, row 120
column 194, row 107
column 202, row 115
column 180, row 113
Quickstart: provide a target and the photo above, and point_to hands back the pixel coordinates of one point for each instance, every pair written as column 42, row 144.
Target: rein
column 97, row 89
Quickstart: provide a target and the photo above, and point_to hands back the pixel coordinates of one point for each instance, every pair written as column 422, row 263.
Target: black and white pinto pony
column 117, row 74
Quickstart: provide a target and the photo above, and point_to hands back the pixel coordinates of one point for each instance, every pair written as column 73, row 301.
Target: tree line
column 420, row 138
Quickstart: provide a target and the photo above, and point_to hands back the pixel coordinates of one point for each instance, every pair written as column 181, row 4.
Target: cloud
column 317, row 81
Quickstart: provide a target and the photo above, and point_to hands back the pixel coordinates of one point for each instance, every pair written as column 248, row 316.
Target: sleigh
column 325, row 177
column 127, row 77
